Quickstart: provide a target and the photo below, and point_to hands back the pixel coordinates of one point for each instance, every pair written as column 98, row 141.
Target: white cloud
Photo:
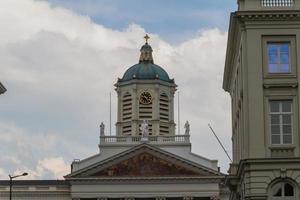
column 59, row 68
column 56, row 166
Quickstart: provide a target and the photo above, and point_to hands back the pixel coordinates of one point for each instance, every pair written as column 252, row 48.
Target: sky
column 59, row 60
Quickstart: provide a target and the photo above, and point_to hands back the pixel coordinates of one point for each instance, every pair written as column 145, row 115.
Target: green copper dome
column 146, row 69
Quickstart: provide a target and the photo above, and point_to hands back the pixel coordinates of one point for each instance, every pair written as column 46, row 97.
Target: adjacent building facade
column 262, row 73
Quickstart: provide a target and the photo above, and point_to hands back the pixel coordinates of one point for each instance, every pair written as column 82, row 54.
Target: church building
column 145, row 159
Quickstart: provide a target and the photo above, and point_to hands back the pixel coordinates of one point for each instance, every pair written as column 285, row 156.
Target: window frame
column 282, row 183
column 281, row 113
column 292, row 55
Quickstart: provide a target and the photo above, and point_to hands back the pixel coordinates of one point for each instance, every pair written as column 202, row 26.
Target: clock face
column 145, row 98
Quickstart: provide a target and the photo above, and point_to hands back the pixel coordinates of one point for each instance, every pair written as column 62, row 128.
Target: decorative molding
column 144, row 147
column 280, row 83
column 280, row 15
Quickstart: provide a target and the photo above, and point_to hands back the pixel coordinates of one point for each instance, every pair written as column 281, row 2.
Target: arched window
column 283, row 191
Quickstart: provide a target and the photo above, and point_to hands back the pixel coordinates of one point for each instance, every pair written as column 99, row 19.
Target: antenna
column 178, row 115
column 219, row 142
column 110, row 113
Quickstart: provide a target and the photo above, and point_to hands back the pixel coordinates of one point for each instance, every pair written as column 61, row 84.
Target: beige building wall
column 258, row 165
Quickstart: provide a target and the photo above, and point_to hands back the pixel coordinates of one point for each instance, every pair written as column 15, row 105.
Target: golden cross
column 147, row 38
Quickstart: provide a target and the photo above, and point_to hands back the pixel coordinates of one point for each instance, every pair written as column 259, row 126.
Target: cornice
column 244, row 164
column 138, row 81
column 134, row 180
column 280, row 15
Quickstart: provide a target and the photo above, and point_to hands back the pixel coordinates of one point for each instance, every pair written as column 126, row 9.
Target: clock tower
column 145, row 92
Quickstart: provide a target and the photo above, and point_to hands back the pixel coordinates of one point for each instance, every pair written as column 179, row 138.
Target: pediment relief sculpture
column 146, row 165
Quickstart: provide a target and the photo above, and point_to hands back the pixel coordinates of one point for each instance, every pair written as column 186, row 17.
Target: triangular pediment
column 145, row 165
column 144, row 161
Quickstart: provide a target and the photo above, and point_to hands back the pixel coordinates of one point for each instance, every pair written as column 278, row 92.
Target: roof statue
column 145, row 130
column 187, row 128
column 102, row 127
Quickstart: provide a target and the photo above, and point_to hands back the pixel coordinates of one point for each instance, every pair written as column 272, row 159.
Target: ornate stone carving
column 146, row 165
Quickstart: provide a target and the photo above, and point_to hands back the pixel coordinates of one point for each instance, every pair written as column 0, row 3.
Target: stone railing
column 162, row 139
column 277, row 3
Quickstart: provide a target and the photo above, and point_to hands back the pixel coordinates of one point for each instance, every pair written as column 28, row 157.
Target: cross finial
column 147, row 38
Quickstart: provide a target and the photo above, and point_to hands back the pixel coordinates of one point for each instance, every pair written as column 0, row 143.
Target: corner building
column 262, row 76
column 133, row 165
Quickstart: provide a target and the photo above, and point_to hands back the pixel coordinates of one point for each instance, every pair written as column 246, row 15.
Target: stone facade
column 262, row 74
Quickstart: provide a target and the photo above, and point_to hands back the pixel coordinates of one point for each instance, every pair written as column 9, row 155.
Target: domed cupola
column 145, row 93
column 146, row 69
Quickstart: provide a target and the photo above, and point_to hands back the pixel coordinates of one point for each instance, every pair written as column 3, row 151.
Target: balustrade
column 151, row 139
column 277, row 3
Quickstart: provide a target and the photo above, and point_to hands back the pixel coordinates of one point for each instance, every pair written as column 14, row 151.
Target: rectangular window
column 278, row 57
column 281, row 121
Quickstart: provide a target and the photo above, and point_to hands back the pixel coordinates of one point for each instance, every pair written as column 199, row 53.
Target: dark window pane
column 275, row 139
column 288, row 190
column 287, row 139
column 277, row 191
column 274, row 106
column 275, row 119
column 286, row 119
column 286, row 106
column 286, row 129
column 275, row 129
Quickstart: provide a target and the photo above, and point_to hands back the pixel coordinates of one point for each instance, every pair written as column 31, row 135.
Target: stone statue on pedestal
column 102, row 127
column 187, row 128
column 145, row 130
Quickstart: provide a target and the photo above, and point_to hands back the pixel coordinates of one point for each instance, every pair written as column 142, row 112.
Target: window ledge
column 280, row 75
column 282, row 82
column 282, row 151
column 282, row 146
